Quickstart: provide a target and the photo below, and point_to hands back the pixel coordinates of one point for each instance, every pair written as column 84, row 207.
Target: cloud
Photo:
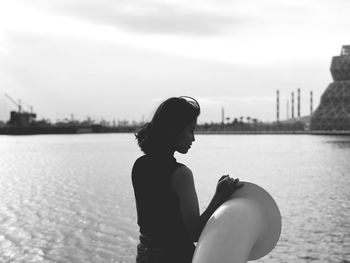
column 155, row 17
column 173, row 21
column 241, row 101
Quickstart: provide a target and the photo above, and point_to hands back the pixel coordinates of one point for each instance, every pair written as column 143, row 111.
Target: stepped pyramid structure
column 333, row 113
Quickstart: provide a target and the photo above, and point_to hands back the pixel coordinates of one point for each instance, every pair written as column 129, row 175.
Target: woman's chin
column 183, row 151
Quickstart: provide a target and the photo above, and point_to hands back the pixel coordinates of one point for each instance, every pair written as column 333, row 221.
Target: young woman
column 166, row 200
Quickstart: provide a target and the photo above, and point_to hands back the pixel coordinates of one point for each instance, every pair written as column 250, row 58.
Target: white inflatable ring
column 246, row 227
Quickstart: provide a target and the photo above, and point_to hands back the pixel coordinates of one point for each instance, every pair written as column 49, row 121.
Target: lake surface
column 68, row 198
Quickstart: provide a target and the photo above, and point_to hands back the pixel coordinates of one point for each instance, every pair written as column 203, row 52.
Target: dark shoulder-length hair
column 168, row 122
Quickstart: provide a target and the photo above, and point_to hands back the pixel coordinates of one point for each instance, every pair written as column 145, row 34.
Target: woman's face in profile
column 185, row 138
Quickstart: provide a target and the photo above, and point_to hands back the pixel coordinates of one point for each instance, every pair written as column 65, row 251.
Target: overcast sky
column 119, row 59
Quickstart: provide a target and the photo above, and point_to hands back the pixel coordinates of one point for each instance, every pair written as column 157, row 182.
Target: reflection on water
column 69, row 198
column 340, row 143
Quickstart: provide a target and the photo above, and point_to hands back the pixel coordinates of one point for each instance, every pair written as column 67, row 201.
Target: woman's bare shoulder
column 182, row 175
column 182, row 170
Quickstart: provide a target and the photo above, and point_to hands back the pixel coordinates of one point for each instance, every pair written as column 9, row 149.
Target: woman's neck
column 164, row 154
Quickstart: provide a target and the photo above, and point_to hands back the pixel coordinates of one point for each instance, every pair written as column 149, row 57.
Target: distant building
column 333, row 113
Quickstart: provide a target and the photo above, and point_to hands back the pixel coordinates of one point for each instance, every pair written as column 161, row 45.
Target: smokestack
column 298, row 103
column 222, row 116
column 278, row 106
column 287, row 109
column 311, row 108
column 292, row 105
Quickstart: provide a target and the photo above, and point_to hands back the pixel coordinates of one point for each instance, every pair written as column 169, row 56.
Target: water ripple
column 69, row 198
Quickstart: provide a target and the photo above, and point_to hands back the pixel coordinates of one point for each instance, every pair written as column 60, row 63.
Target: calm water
column 68, row 198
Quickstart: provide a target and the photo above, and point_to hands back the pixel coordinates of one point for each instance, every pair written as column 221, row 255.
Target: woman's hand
column 226, row 186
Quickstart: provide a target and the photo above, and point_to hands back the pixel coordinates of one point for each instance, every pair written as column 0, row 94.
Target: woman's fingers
column 235, row 181
column 228, row 185
column 235, row 184
column 223, row 177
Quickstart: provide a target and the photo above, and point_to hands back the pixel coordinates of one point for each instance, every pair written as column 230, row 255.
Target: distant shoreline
column 199, row 132
column 273, row 132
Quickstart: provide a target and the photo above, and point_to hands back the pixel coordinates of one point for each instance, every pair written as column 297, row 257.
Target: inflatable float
column 244, row 228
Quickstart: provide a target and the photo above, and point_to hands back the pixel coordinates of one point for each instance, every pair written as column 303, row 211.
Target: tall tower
column 278, row 106
column 333, row 113
column 311, row 103
column 292, row 105
column 222, row 116
column 298, row 103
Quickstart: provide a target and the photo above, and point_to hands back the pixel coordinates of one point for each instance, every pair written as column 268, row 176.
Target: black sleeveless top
column 158, row 210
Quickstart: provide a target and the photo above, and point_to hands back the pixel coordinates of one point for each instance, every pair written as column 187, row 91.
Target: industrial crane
column 18, row 104
column 21, row 118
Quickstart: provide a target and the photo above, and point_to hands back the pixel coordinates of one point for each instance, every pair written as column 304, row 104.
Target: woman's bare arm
column 183, row 185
